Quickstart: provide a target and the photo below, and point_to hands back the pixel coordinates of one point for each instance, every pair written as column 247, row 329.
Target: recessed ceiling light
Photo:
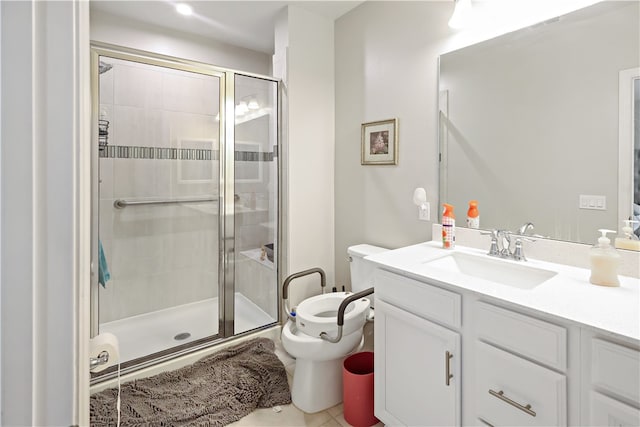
column 184, row 9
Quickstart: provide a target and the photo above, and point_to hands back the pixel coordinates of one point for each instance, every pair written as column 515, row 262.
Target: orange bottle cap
column 473, row 209
column 448, row 210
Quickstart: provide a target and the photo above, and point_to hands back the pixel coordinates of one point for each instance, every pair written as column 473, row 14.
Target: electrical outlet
column 424, row 212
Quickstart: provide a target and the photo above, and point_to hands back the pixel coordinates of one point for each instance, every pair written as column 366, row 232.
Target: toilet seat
column 319, row 314
column 302, row 346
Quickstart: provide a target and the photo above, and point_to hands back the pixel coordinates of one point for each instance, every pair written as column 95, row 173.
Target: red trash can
column 357, row 392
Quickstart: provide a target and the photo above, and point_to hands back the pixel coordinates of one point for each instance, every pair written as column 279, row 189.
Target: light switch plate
column 593, row 202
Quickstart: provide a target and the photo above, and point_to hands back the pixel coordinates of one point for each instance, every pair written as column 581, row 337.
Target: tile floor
column 292, row 416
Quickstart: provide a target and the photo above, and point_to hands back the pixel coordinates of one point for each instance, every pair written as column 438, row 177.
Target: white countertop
column 568, row 295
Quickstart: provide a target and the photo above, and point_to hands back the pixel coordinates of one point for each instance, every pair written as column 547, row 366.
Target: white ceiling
column 248, row 24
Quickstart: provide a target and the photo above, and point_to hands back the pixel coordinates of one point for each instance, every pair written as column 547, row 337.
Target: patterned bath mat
column 216, row 390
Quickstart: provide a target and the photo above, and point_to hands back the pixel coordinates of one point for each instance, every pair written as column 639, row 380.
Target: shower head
column 103, row 67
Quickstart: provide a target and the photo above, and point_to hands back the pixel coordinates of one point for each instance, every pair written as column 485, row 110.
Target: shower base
column 148, row 333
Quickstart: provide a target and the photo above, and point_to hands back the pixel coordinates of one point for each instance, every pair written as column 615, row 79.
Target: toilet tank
column 361, row 270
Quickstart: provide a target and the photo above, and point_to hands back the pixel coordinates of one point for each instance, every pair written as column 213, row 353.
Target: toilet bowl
column 317, row 379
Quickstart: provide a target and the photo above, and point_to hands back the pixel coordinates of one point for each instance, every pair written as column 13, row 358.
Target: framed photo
column 380, row 142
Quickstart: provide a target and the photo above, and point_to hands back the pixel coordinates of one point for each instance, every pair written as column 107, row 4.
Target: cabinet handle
column 447, row 362
column 500, row 395
column 485, row 422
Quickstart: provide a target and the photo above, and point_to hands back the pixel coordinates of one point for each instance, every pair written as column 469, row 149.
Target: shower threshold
column 145, row 334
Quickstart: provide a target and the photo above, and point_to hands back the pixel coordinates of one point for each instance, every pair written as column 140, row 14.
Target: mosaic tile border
column 134, row 152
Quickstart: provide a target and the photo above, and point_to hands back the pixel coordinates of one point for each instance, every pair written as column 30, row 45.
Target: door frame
column 625, row 141
column 226, row 186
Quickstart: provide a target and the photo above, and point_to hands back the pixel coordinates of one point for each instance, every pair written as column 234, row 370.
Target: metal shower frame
column 226, row 219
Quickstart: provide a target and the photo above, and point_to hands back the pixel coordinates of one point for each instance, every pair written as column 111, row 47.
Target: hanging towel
column 103, row 269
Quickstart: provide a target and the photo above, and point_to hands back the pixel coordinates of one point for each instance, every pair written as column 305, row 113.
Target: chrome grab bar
column 121, row 203
column 500, row 395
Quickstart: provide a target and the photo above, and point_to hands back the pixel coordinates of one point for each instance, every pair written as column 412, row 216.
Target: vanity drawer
column 506, row 384
column 535, row 339
column 419, row 298
column 616, row 369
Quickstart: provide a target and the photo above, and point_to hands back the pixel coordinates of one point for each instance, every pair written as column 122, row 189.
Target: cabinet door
column 417, row 370
column 609, row 412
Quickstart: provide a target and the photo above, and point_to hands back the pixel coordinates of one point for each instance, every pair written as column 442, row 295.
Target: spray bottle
column 448, row 227
column 473, row 216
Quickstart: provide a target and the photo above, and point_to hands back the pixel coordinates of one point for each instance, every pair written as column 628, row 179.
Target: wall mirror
column 531, row 124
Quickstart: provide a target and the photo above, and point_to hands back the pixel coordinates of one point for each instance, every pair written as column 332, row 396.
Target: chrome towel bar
column 121, row 203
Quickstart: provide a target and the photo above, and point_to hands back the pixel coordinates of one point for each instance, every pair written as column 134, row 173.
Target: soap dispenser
column 604, row 262
column 629, row 241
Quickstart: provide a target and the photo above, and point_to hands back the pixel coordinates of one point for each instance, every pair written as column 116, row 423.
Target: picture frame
column 380, row 142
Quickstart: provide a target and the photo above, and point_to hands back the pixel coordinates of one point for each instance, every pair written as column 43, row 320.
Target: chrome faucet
column 525, row 227
column 501, row 242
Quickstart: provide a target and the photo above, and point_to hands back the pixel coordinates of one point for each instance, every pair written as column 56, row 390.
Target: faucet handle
column 518, row 251
column 505, row 243
column 493, row 250
column 493, row 233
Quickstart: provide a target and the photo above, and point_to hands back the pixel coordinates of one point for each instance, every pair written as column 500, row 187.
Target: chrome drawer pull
column 485, row 422
column 500, row 395
column 447, row 361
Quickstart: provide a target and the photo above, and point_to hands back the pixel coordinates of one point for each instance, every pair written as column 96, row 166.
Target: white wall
column 138, row 35
column 386, row 66
column 41, row 151
column 304, row 58
column 0, row 214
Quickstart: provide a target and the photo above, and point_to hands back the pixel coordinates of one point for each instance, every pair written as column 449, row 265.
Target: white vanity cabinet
column 612, row 389
column 510, row 365
column 417, row 362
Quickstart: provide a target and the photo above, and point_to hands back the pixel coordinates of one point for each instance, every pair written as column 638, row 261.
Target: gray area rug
column 216, row 390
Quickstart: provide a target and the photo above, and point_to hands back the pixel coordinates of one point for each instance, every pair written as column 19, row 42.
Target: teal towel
column 103, row 269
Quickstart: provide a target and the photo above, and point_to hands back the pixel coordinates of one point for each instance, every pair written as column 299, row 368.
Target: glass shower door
column 159, row 184
column 256, row 207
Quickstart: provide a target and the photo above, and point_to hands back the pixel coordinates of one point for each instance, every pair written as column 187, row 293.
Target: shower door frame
column 226, row 206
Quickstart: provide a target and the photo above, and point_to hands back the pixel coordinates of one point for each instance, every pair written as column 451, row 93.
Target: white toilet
column 317, row 380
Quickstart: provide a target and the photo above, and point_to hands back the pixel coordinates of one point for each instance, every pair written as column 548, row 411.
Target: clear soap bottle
column 629, row 241
column 604, row 260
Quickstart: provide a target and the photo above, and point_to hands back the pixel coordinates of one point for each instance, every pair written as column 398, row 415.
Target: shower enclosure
column 185, row 205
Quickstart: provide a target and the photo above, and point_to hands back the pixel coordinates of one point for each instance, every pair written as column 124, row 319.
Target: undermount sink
column 494, row 270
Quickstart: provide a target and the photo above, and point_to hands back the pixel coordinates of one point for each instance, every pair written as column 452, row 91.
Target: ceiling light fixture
column 184, row 9
column 461, row 14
